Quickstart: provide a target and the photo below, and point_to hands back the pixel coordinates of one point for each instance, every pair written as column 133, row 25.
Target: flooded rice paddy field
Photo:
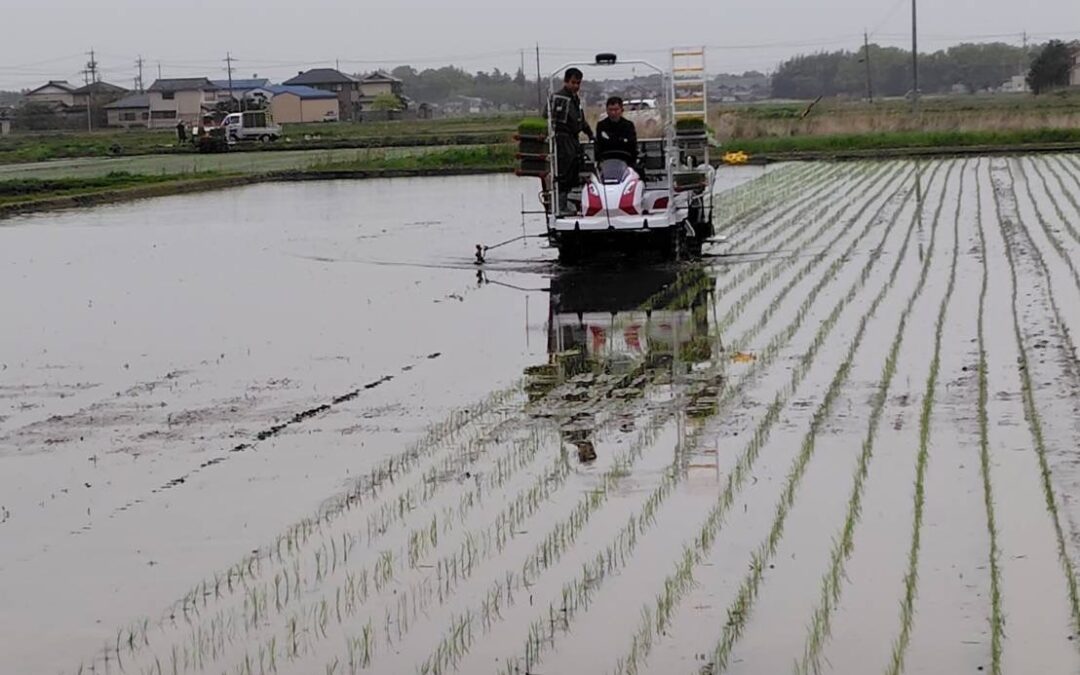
column 292, row 429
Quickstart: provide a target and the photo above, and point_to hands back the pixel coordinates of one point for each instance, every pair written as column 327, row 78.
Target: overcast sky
column 46, row 39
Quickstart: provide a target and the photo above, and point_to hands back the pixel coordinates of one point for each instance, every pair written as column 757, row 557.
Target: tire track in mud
column 1010, row 221
column 260, row 436
column 602, row 567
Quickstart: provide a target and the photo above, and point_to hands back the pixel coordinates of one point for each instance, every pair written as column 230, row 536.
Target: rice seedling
column 1009, row 223
column 579, row 590
column 679, row 582
column 299, row 538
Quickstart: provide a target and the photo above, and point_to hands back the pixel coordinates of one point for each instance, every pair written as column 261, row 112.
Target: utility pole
column 914, row 57
column 139, row 81
column 159, row 70
column 91, row 68
column 539, row 78
column 866, row 57
column 1025, row 60
column 228, row 62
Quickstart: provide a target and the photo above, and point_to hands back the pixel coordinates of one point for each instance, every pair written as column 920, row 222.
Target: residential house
column 293, row 104
column 5, row 120
column 186, row 98
column 346, row 87
column 97, row 94
column 130, row 111
column 1017, row 84
column 460, row 105
column 378, row 84
column 58, row 93
column 255, row 89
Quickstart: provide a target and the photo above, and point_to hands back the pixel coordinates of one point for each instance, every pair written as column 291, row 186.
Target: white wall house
column 186, row 99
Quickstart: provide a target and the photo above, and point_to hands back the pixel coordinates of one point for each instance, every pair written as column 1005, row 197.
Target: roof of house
column 320, row 76
column 306, row 93
column 59, row 84
column 253, row 83
column 99, row 88
column 129, row 102
column 379, row 76
column 183, row 84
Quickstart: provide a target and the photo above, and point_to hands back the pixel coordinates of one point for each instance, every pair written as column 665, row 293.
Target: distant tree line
column 974, row 67
column 1051, row 68
column 436, row 85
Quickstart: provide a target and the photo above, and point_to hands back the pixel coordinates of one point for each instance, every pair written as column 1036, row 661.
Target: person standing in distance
column 568, row 121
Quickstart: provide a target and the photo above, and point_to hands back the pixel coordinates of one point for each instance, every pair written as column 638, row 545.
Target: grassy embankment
column 833, row 129
column 22, row 195
column 997, row 122
column 42, row 146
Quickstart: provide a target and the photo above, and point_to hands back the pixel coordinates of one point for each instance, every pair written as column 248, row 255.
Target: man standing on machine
column 616, row 137
column 568, row 120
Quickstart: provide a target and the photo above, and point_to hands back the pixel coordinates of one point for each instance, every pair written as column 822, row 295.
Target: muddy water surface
column 293, row 429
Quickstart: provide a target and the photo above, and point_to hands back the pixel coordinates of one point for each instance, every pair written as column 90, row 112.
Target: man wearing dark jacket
column 616, row 137
column 568, row 121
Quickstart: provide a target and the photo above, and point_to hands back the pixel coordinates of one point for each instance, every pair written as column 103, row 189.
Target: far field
column 843, row 443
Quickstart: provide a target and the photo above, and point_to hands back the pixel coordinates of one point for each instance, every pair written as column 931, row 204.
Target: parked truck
column 255, row 125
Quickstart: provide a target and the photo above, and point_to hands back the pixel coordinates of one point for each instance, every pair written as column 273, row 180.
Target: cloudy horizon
column 276, row 40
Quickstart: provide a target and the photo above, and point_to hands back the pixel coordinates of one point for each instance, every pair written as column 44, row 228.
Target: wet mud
column 292, row 428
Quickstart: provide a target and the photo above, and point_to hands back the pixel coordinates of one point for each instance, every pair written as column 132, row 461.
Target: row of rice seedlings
column 1010, row 223
column 780, row 219
column 438, row 437
column 806, row 269
column 681, row 579
column 288, row 583
column 773, row 207
column 832, row 582
column 881, row 180
column 578, row 592
column 1042, row 168
column 810, row 215
column 1055, row 241
column 297, row 536
column 739, row 612
column 997, row 616
column 451, row 570
column 1068, row 168
column 1071, row 364
column 762, row 194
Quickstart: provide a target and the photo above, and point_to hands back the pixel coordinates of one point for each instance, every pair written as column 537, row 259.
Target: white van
column 256, row 125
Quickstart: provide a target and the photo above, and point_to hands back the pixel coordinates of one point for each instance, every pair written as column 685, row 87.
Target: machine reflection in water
column 614, row 335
